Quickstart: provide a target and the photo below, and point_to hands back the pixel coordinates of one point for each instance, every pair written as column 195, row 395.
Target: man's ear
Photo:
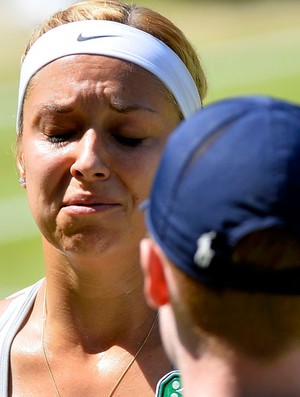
column 153, row 263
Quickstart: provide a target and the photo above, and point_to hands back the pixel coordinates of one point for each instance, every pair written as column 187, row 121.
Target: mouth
column 89, row 204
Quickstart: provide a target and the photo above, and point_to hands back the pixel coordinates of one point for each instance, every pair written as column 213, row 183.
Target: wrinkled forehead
column 95, row 79
column 79, row 68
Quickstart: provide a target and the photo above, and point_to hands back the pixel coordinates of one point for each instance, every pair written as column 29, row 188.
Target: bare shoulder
column 20, row 296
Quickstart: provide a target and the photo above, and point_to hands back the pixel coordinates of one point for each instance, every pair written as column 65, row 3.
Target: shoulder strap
column 10, row 322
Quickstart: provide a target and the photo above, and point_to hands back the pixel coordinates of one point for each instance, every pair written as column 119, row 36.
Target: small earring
column 22, row 181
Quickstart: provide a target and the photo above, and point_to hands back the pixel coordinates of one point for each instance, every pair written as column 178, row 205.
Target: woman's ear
column 21, row 168
column 20, row 164
column 153, row 265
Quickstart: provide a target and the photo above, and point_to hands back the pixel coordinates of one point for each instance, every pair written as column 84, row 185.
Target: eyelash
column 127, row 141
column 123, row 140
column 60, row 137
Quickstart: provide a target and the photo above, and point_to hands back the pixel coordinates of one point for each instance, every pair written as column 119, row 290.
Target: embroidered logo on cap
column 204, row 253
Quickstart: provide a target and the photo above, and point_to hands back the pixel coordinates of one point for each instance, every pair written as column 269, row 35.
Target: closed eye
column 60, row 138
column 128, row 141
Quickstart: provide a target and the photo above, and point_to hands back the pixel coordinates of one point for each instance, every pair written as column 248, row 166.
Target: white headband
column 117, row 40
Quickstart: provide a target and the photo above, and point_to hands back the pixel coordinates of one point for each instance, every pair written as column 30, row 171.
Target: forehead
column 97, row 74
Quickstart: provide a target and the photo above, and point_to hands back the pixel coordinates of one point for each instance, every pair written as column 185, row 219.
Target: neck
column 234, row 375
column 97, row 304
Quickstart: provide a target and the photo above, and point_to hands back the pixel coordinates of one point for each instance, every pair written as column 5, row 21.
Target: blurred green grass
column 247, row 47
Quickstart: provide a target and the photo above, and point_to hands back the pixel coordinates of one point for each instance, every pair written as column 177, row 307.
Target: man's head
column 225, row 199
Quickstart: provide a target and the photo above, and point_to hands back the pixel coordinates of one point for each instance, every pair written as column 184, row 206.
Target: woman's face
column 93, row 131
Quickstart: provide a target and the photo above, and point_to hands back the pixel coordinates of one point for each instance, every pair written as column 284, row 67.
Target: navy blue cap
column 231, row 169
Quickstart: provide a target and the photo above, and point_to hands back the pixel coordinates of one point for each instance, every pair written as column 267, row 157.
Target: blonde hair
column 139, row 17
column 262, row 326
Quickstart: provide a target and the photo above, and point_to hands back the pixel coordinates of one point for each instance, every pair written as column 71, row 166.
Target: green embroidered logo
column 170, row 385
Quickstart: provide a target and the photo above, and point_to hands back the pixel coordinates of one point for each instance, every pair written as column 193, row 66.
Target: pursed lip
column 90, row 203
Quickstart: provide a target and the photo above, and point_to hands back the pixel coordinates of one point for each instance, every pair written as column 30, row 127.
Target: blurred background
column 246, row 47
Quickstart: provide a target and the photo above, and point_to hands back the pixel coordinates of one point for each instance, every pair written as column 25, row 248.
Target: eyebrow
column 124, row 108
column 46, row 107
column 116, row 105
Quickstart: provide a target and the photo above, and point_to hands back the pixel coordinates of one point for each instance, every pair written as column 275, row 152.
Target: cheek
column 140, row 172
column 43, row 165
column 40, row 153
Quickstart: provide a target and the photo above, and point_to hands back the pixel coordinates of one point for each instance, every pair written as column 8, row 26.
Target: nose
column 90, row 161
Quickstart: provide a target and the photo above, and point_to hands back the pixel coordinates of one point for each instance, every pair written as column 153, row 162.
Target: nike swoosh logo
column 85, row 38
